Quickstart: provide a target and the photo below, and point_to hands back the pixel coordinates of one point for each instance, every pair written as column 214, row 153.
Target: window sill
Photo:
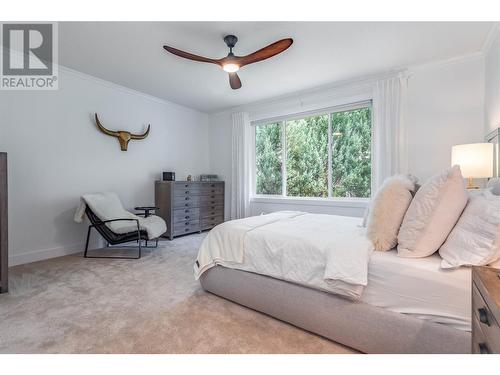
column 337, row 202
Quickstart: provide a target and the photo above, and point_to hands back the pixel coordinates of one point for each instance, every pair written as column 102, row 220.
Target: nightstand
column 485, row 310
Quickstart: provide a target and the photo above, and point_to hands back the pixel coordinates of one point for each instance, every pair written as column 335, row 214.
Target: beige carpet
column 151, row 305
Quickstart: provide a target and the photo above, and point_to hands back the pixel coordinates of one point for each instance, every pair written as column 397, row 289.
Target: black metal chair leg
column 139, row 237
column 87, row 242
column 107, row 245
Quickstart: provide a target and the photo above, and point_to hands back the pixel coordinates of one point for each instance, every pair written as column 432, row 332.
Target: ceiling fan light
column 230, row 68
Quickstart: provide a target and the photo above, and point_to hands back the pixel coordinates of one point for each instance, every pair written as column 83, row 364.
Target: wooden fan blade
column 190, row 56
column 234, row 81
column 266, row 52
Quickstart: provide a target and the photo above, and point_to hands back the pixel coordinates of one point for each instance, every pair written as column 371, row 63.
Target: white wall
column 492, row 85
column 220, row 152
column 445, row 107
column 56, row 154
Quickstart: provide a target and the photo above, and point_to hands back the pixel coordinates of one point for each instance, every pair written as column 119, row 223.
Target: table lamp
column 475, row 161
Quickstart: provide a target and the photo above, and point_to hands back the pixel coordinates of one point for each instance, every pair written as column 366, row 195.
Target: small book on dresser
column 485, row 310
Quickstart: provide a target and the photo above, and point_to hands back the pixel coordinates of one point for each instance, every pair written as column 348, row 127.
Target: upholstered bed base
column 358, row 325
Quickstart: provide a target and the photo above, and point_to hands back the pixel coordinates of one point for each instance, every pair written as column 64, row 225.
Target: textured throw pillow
column 433, row 212
column 475, row 240
column 494, row 185
column 387, row 210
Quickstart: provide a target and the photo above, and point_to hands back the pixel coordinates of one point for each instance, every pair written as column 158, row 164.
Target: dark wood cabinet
column 485, row 310
column 4, row 256
column 189, row 206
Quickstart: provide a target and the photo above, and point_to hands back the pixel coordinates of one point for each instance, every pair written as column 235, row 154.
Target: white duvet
column 293, row 246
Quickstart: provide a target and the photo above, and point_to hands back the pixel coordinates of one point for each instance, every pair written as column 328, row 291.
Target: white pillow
column 494, row 185
column 387, row 211
column 475, row 240
column 433, row 212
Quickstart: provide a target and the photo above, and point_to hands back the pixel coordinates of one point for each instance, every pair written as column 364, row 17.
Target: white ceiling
column 131, row 54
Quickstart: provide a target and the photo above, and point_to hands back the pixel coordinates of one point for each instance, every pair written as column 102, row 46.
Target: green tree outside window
column 306, row 153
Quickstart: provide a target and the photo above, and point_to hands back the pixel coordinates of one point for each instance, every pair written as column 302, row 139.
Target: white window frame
column 279, row 198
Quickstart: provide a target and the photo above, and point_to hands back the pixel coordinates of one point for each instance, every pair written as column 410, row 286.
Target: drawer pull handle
column 186, row 185
column 187, row 229
column 213, row 191
column 483, row 348
column 483, row 316
column 186, row 211
column 186, row 223
column 187, row 217
column 187, row 198
column 187, row 205
column 186, row 192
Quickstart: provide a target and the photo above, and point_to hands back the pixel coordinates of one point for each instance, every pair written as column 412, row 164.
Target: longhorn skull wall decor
column 123, row 136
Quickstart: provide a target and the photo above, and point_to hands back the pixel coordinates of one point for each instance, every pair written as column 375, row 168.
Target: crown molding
column 442, row 63
column 481, row 54
column 329, row 90
column 490, row 38
column 123, row 89
column 90, row 78
column 408, row 70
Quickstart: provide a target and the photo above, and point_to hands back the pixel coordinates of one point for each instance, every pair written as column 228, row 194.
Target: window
column 268, row 156
column 307, row 157
column 324, row 155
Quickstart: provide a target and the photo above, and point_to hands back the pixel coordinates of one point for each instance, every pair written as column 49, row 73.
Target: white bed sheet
column 417, row 287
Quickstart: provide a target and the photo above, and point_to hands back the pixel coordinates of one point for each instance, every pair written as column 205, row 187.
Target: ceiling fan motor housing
column 230, row 40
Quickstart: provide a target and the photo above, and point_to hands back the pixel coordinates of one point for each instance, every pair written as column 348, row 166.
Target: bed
column 317, row 282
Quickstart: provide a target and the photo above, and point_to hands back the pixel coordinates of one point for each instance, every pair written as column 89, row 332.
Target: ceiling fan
column 232, row 63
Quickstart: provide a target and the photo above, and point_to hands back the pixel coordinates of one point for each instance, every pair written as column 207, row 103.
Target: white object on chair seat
column 155, row 226
column 107, row 206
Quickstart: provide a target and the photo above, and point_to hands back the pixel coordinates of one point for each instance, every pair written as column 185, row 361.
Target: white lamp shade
column 475, row 159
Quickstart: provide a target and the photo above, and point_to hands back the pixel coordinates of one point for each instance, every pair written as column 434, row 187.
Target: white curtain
column 241, row 182
column 389, row 146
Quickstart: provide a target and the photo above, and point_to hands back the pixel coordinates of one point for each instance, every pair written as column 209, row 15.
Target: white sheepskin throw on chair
column 387, row 211
column 107, row 206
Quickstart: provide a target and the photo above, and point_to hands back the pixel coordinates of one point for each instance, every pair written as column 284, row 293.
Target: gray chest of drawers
column 189, row 207
column 485, row 310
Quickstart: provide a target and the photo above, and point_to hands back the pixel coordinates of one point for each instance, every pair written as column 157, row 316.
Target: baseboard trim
column 37, row 255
